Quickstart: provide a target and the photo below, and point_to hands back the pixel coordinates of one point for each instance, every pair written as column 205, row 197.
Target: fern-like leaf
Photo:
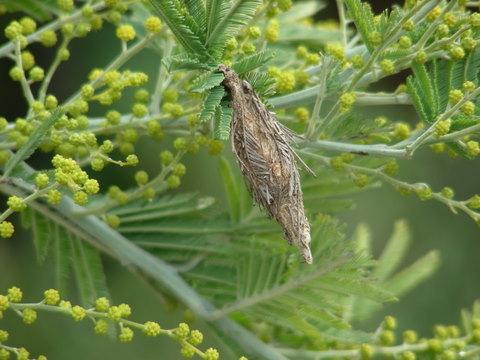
column 207, row 81
column 88, row 270
column 196, row 9
column 262, row 82
column 212, row 100
column 268, row 284
column 215, row 11
column 396, row 283
column 184, row 62
column 362, row 15
column 252, row 62
column 182, row 26
column 223, row 117
column 238, row 14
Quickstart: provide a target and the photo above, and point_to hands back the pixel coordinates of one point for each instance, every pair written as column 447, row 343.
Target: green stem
column 42, row 92
column 378, row 173
column 27, row 92
column 370, row 99
column 377, row 350
column 159, row 86
column 327, row 62
column 379, row 150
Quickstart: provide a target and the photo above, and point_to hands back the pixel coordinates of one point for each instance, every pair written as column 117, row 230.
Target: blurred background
column 437, row 301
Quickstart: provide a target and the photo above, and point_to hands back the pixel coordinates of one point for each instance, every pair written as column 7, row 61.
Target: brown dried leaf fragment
column 267, row 161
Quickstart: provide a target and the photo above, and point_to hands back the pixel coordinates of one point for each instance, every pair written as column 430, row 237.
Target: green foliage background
column 439, row 300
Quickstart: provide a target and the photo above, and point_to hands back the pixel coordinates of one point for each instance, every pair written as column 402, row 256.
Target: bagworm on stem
column 267, row 161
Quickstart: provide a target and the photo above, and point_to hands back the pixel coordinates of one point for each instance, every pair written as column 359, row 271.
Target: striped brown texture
column 267, row 161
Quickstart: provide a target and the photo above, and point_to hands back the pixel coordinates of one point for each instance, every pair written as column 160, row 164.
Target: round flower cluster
column 69, row 173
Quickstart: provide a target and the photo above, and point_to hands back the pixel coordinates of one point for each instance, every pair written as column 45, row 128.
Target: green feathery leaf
column 196, row 9
column 183, row 27
column 270, row 283
column 252, row 62
column 362, row 15
column 223, row 117
column 231, row 189
column 262, row 82
column 238, row 13
column 418, row 101
column 215, row 11
column 212, row 99
column 401, row 282
column 87, row 266
column 424, row 84
column 41, row 230
column 207, row 81
column 394, row 251
column 184, row 61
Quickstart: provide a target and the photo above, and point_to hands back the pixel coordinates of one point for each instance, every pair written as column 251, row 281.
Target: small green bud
column 357, row 61
column 48, row 38
column 153, row 24
column 166, row 157
column 113, row 221
column 29, row 316
column 374, row 38
column 435, row 345
column 125, row 32
column 468, row 108
column 387, row 66
column 443, row 127
column 391, row 168
column 421, row 57
column 454, row 96
column 457, row 52
column 15, row 203
column 151, row 328
column 468, row 86
column 447, row 193
column 132, row 160
column 405, row 42
column 179, row 169
column 440, row 331
column 366, row 351
column 424, row 192
column 434, row 14
column 410, row 337
column 78, row 313
column 80, row 198
column 408, row 355
column 473, row 148
column 126, row 335
column 141, row 177
column 409, row 25
column 387, row 337
column 450, row 19
column 173, row 181
column 101, row 327
column 389, row 323
column 401, row 131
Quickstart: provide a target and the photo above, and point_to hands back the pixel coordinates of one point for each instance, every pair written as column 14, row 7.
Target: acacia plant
column 228, row 264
